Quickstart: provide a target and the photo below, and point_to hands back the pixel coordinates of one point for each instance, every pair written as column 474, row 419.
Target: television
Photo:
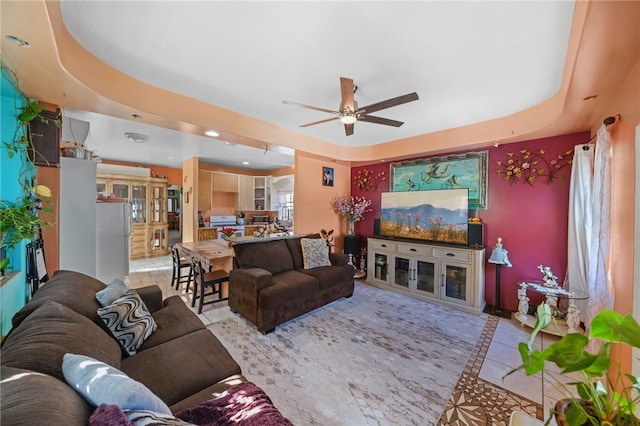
column 436, row 215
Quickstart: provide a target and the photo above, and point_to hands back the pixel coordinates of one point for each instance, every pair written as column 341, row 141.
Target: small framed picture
column 327, row 176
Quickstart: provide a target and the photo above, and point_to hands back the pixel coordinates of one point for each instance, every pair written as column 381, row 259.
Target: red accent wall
column 531, row 219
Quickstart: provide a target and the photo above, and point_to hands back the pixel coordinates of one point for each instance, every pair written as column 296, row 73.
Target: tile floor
column 501, row 356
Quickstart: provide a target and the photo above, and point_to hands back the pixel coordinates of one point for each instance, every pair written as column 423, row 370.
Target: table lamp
column 499, row 258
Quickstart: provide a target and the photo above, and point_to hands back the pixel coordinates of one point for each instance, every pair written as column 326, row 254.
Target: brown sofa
column 269, row 285
column 182, row 362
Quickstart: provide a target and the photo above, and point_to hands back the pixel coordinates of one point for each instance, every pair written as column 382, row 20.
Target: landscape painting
column 439, row 215
column 468, row 170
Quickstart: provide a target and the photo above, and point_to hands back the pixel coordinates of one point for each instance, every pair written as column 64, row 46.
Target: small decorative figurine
column 523, row 305
column 549, row 279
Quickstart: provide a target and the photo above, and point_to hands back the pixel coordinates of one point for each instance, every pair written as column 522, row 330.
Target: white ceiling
column 468, row 61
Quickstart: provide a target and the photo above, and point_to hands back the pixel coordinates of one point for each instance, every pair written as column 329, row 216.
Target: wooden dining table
column 214, row 254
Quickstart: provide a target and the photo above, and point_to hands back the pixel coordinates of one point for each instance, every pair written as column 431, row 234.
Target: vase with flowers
column 352, row 208
column 228, row 232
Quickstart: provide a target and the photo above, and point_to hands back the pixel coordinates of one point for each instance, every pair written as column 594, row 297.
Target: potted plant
column 19, row 220
column 605, row 395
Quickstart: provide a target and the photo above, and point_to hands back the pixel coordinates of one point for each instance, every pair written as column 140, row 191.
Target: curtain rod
column 607, row 122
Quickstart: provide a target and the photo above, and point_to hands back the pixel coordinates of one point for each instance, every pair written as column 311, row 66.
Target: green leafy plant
column 606, row 395
column 20, row 219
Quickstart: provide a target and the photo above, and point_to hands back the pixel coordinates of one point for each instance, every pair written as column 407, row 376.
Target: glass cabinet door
column 402, row 271
column 425, row 276
column 139, row 203
column 101, row 189
column 159, row 239
column 455, row 281
column 120, row 190
column 381, row 266
column 158, row 204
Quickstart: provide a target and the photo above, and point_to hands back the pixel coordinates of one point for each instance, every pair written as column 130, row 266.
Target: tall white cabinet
column 453, row 276
column 77, row 216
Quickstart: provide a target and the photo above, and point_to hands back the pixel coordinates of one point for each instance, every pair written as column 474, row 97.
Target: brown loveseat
column 269, row 285
column 182, row 362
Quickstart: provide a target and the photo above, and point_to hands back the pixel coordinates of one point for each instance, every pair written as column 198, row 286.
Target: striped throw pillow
column 129, row 321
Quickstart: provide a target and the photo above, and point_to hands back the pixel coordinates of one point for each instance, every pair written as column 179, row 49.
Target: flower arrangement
column 527, row 166
column 353, row 208
column 228, row 232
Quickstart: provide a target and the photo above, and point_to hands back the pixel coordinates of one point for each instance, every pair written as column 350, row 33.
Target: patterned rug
column 377, row 358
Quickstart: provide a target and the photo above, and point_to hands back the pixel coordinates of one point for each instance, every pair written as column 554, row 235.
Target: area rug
column 377, row 358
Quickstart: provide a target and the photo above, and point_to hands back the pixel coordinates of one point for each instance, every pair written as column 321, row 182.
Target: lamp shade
column 499, row 255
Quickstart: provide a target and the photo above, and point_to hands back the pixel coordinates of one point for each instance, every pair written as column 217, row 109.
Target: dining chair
column 204, row 281
column 182, row 270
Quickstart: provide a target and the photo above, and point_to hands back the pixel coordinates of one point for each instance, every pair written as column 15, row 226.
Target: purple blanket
column 244, row 404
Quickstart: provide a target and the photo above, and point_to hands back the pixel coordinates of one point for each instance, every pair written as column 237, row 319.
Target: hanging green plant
column 19, row 219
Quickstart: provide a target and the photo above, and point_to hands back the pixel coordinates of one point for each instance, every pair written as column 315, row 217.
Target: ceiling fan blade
column 389, row 103
column 310, row 107
column 380, row 120
column 348, row 129
column 319, row 122
column 346, row 89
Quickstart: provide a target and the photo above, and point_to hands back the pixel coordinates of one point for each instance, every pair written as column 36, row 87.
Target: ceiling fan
column 349, row 113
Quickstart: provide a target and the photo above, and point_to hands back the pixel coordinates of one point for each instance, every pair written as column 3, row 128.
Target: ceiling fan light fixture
column 348, row 118
column 136, row 137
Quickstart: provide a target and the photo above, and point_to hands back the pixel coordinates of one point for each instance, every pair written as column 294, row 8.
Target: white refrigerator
column 77, row 215
column 113, row 229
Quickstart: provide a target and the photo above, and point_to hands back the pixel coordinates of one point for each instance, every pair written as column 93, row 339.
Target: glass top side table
column 564, row 321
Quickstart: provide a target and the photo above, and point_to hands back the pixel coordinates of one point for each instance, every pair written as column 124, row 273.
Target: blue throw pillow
column 100, row 383
column 111, row 292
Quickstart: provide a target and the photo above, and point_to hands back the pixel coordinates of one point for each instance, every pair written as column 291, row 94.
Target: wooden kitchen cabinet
column 245, row 193
column 207, row 234
column 225, row 182
column 205, row 188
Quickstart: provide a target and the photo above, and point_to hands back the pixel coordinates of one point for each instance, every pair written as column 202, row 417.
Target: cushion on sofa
column 51, row 331
column 207, row 393
column 129, row 321
column 295, row 249
column 328, row 276
column 69, row 288
column 100, row 383
column 287, row 286
column 315, row 253
column 174, row 320
column 181, row 367
column 272, row 256
column 32, row 398
column 111, row 292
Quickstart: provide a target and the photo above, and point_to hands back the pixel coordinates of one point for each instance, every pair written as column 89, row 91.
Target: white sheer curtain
column 589, row 225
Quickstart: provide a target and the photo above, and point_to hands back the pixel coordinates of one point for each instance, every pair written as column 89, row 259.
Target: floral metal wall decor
column 367, row 180
column 528, row 167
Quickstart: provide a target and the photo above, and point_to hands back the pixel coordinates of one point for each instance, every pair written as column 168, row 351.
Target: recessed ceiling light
column 229, row 143
column 212, row 133
column 136, row 137
column 17, row 40
column 246, row 163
